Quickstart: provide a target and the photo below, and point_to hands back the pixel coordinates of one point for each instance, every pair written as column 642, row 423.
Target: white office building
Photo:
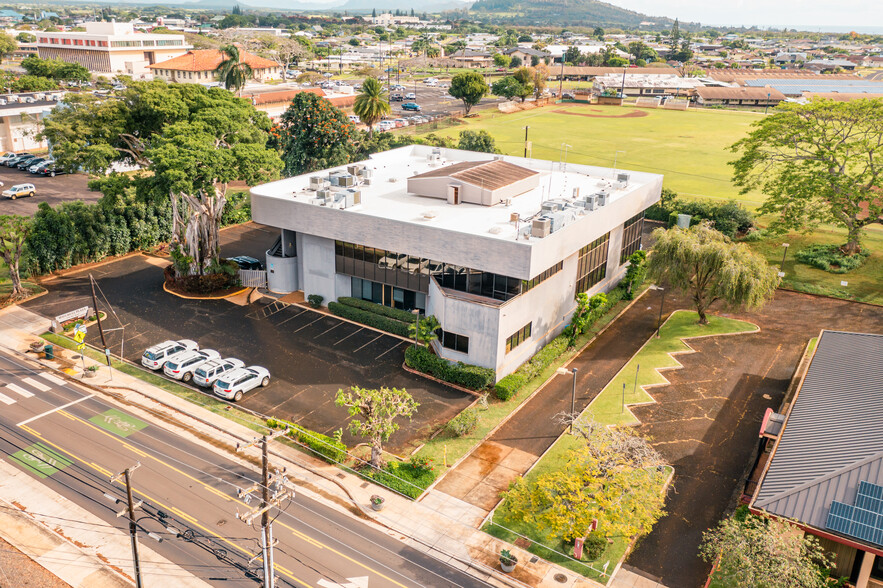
column 496, row 247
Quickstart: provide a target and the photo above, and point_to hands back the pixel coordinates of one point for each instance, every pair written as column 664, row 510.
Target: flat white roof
column 387, row 196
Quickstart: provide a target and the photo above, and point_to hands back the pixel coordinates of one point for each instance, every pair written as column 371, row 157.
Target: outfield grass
column 607, row 408
column 689, row 148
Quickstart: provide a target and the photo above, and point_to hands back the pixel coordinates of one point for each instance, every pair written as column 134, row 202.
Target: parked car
column 48, row 168
column 328, row 74
column 234, row 384
column 184, row 364
column 411, row 106
column 396, row 98
column 13, row 161
column 355, row 119
column 155, row 357
column 7, row 156
column 386, row 125
column 35, row 166
column 206, row 374
column 400, row 122
column 246, row 262
column 410, row 96
column 19, row 191
column 28, row 164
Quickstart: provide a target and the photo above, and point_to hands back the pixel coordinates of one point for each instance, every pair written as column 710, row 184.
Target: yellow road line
column 100, row 469
column 30, row 430
column 183, row 515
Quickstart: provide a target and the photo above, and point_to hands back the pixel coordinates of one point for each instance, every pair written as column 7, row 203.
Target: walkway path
column 519, row 442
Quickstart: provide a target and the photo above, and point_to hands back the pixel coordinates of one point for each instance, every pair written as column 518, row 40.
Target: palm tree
column 232, row 72
column 371, row 104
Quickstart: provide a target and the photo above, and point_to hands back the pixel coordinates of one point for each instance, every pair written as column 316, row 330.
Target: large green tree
column 614, row 477
column 708, row 266
column 817, row 163
column 55, row 69
column 313, row 134
column 232, row 71
column 371, row 104
column 13, row 234
column 7, row 44
column 766, row 552
column 378, row 410
column 469, row 87
column 190, row 140
column 509, row 87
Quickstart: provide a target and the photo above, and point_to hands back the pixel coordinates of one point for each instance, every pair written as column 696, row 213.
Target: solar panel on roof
column 864, row 520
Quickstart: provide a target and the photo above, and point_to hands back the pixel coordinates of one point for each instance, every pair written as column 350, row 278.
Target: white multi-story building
column 495, row 247
column 111, row 47
column 21, row 119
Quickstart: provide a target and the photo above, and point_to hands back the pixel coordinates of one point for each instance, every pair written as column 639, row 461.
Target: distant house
column 469, row 58
column 526, row 54
column 789, row 58
column 830, row 64
column 10, row 15
column 738, row 96
column 821, row 461
column 199, row 67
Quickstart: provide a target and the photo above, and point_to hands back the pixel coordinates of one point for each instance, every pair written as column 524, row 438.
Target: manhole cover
column 560, row 578
column 221, row 523
column 341, row 475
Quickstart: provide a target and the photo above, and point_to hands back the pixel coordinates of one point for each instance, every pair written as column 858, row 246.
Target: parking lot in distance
column 64, row 188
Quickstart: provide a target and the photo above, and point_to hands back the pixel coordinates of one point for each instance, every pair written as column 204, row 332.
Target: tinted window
column 172, row 366
column 150, row 355
column 201, row 373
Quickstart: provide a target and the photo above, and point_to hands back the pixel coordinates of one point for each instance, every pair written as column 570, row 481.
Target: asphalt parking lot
column 436, row 101
column 55, row 190
column 310, row 354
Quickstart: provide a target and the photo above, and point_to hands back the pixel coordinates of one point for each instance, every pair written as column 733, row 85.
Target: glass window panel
column 398, row 296
column 367, row 290
column 356, row 287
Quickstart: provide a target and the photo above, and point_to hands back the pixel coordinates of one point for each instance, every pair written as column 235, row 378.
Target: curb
column 186, row 297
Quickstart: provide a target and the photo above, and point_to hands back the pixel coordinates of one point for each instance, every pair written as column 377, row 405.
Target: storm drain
column 561, row 578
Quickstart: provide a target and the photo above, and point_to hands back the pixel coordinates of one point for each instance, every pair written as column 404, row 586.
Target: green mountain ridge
column 588, row 13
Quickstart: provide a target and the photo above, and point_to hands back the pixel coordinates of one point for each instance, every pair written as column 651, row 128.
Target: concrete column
column 864, row 573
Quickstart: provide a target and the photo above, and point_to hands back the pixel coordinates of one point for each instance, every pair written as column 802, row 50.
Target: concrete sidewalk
column 439, row 525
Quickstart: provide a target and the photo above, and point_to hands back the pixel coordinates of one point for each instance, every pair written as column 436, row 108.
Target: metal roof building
column 796, row 87
column 829, row 454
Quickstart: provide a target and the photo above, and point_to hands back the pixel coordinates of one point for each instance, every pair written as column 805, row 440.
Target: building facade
column 200, row 66
column 21, row 119
column 495, row 247
column 111, row 48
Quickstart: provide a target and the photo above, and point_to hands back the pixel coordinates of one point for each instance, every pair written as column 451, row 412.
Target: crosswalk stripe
column 35, row 384
column 50, row 378
column 19, row 390
column 6, row 399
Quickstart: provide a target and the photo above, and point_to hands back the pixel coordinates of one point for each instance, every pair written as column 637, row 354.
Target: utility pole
column 526, row 128
column 267, row 502
column 561, row 79
column 126, row 475
column 98, row 318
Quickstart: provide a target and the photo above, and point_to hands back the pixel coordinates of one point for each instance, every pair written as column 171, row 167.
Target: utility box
column 684, row 221
column 541, row 227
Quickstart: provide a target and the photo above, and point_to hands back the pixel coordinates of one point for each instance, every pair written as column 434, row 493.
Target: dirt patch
column 632, row 114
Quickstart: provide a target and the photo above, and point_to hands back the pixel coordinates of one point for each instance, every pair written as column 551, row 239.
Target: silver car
column 234, row 384
column 206, row 374
column 184, row 364
column 155, row 357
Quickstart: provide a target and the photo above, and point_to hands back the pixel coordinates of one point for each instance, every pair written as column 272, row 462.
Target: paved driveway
column 310, row 354
column 51, row 190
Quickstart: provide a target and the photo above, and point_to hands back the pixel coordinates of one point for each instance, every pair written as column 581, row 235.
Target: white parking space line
column 348, row 336
column 6, row 399
column 327, row 330
column 57, row 408
column 308, row 324
column 293, row 317
column 50, row 378
column 35, row 384
column 396, row 346
column 369, row 343
column 19, row 390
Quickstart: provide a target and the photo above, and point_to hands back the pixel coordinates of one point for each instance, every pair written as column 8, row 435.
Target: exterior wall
column 204, row 77
column 113, row 60
column 18, row 132
column 317, row 255
column 479, row 322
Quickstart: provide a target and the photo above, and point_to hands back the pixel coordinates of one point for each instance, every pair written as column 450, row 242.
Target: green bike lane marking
column 118, row 422
column 40, row 460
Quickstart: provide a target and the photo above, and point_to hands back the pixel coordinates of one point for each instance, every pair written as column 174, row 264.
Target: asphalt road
column 54, row 191
column 193, row 489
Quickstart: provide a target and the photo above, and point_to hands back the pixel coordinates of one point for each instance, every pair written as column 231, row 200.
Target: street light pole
column 784, row 253
column 526, row 128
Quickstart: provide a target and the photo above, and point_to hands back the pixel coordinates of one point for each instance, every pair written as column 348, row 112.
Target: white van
column 431, row 81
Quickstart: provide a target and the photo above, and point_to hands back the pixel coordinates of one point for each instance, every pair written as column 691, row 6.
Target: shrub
column 594, row 546
column 464, row 423
column 831, row 259
column 461, row 374
column 315, row 300
column 509, row 385
column 393, row 313
column 237, row 209
column 729, row 217
column 369, row 318
column 333, row 450
column 403, row 478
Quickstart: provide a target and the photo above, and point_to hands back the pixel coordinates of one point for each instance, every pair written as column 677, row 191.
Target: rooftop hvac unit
column 603, row 198
column 436, row 151
column 366, row 172
column 553, row 205
column 498, row 158
column 346, row 181
column 366, row 182
column 576, row 192
column 514, row 217
column 353, row 197
column 591, row 201
column 324, row 194
column 541, row 227
column 560, row 219
column 623, row 177
column 318, row 182
column 355, row 169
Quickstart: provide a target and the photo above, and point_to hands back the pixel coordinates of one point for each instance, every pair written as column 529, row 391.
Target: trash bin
column 50, row 352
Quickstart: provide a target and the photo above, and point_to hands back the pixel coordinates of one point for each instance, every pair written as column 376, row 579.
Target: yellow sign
column 79, row 335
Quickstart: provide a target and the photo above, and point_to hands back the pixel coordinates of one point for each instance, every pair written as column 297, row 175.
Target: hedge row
column 403, row 478
column 508, row 386
column 333, row 450
column 393, row 313
column 462, row 374
column 728, row 217
column 369, row 318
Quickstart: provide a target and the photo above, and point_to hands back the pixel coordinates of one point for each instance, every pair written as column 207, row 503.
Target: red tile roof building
column 199, row 66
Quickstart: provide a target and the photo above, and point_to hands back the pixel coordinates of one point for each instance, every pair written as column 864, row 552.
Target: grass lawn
column 607, row 409
column 689, row 147
column 863, row 284
column 6, row 285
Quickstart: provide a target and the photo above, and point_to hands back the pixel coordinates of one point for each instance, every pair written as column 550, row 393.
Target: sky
column 790, row 13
